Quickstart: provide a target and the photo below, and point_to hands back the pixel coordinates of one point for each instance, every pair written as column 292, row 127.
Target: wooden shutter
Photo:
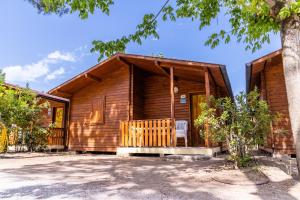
column 98, row 110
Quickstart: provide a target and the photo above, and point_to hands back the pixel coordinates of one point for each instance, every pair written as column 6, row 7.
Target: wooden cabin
column 56, row 114
column 266, row 73
column 133, row 102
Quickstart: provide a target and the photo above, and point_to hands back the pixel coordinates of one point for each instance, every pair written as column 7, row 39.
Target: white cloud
column 55, row 73
column 26, row 73
column 57, row 55
column 39, row 69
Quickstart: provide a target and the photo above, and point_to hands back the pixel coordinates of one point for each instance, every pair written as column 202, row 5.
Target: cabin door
column 196, row 99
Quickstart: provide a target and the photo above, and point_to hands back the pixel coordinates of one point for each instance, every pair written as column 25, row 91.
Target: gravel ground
column 58, row 176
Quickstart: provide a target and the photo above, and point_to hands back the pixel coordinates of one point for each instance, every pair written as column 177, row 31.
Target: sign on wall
column 183, row 99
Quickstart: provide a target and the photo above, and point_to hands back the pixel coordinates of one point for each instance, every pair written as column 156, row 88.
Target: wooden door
column 196, row 99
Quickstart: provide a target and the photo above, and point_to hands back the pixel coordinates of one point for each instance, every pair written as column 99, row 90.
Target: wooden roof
column 39, row 94
column 254, row 68
column 183, row 69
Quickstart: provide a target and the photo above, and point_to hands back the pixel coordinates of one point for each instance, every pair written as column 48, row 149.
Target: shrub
column 243, row 124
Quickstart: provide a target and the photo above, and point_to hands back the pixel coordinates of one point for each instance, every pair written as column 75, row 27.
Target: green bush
column 21, row 112
column 243, row 123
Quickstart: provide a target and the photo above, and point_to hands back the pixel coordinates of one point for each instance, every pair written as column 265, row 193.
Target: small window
column 98, row 110
column 57, row 117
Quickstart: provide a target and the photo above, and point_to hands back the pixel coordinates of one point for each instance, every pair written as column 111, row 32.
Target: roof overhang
column 184, row 69
column 256, row 66
column 39, row 94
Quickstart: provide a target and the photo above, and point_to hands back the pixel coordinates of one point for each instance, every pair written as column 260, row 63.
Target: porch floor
column 126, row 151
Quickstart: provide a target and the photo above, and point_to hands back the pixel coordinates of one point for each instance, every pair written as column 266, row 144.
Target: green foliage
column 251, row 21
column 20, row 111
column 242, row 124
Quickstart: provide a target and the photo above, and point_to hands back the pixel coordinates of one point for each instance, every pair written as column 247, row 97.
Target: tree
column 251, row 22
column 20, row 111
column 243, row 123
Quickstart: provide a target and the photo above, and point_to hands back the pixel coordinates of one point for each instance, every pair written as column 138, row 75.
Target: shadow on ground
column 127, row 178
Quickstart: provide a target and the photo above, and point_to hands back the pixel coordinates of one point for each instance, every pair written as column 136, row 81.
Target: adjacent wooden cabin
column 56, row 114
column 132, row 101
column 266, row 73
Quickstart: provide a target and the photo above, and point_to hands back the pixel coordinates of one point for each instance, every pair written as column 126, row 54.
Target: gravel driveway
column 42, row 176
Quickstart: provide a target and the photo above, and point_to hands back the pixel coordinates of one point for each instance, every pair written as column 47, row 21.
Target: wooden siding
column 275, row 94
column 138, row 93
column 84, row 136
column 277, row 99
column 156, row 99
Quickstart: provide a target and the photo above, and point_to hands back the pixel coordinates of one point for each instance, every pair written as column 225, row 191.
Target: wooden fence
column 57, row 137
column 147, row 133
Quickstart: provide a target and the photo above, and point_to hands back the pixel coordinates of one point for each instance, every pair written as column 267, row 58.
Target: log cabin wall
column 47, row 116
column 155, row 97
column 87, row 136
column 137, row 92
column 277, row 99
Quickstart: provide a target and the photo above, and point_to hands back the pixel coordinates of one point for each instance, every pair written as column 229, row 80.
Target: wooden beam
column 157, row 64
column 181, row 67
column 130, row 97
column 207, row 86
column 62, row 92
column 92, row 77
column 172, row 106
column 207, row 95
column 120, row 59
column 212, row 77
column 263, row 85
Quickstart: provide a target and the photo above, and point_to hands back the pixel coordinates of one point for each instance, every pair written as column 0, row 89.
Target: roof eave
column 248, row 67
column 226, row 80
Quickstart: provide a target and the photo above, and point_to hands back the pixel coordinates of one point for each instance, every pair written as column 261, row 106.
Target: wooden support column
column 207, row 95
column 130, row 93
column 263, row 95
column 172, row 106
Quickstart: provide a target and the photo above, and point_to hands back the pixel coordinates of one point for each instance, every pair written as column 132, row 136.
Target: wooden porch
column 127, row 151
column 153, row 111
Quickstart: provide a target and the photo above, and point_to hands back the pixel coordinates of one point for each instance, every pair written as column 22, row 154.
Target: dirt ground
column 44, row 176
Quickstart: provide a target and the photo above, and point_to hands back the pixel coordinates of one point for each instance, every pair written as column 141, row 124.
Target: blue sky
column 48, row 50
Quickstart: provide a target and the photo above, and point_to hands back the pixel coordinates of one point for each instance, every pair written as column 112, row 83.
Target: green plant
column 3, row 138
column 243, row 124
column 21, row 112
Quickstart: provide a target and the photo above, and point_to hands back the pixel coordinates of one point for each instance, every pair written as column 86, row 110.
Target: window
column 57, row 117
column 98, row 110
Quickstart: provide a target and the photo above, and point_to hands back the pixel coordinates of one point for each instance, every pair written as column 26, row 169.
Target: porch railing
column 147, row 133
column 57, row 137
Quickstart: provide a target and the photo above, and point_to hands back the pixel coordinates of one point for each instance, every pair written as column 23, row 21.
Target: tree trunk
column 290, row 36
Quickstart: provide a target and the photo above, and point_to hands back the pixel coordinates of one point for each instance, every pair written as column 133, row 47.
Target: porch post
column 207, row 94
column 263, row 85
column 172, row 106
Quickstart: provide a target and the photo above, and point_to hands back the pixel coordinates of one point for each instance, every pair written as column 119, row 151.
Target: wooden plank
column 159, row 133
column 207, row 95
column 146, row 134
column 172, row 105
column 154, row 133
column 150, row 133
column 142, row 135
column 263, row 85
column 122, row 134
column 157, row 64
column 134, row 133
column 168, row 133
column 92, row 77
column 164, row 133
column 130, row 133
column 126, row 134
